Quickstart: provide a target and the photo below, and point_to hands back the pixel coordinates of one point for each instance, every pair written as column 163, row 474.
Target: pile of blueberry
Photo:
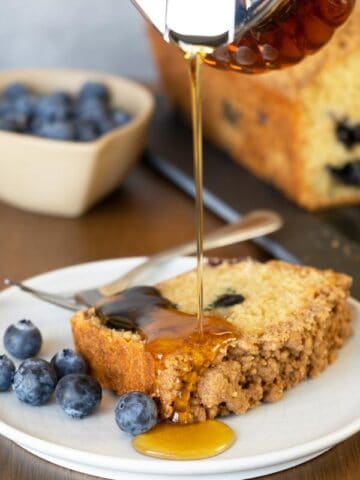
column 36, row 380
column 58, row 115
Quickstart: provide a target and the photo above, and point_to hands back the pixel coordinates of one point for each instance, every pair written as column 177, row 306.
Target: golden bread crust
column 118, row 360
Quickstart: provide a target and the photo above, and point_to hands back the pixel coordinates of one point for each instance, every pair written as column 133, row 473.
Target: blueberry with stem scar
column 23, row 340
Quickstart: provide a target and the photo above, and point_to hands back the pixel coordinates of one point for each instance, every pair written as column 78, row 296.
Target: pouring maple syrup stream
column 195, row 79
column 294, row 29
column 211, row 437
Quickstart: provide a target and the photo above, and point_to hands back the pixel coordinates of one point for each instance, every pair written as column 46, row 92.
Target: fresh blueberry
column 79, row 395
column 35, row 125
column 5, row 107
column 14, row 91
column 86, row 131
column 13, row 122
column 67, row 361
column 91, row 109
column 105, row 124
column 94, row 90
column 59, row 130
column 21, row 121
column 52, row 108
column 136, row 413
column 25, row 105
column 35, row 381
column 120, row 118
column 8, row 124
column 62, row 97
column 7, row 371
column 22, row 340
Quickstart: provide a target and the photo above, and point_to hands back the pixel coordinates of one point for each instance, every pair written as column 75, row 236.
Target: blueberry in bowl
column 59, row 115
column 35, row 381
column 53, row 107
column 93, row 133
column 56, row 130
column 86, row 130
column 120, row 118
column 93, row 89
column 14, row 91
column 23, row 339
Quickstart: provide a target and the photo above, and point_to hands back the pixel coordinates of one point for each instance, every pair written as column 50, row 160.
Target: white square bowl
column 64, row 178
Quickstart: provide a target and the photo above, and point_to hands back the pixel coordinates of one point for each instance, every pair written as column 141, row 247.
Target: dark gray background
column 103, row 35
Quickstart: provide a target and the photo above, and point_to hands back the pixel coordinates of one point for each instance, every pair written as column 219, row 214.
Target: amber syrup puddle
column 185, row 442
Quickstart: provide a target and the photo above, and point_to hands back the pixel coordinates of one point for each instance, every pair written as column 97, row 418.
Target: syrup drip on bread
column 166, row 332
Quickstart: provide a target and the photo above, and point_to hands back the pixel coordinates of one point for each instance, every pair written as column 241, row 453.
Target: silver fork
column 252, row 225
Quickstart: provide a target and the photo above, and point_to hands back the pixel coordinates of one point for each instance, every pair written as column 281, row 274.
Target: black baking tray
column 328, row 239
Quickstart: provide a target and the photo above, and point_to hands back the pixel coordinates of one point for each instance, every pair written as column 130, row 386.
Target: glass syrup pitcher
column 250, row 36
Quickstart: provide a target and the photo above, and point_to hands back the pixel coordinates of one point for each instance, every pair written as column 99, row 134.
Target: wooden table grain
column 143, row 216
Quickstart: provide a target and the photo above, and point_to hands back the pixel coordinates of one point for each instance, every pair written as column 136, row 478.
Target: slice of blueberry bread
column 287, row 323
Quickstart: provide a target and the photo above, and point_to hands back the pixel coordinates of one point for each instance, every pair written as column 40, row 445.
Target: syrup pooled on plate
column 185, row 442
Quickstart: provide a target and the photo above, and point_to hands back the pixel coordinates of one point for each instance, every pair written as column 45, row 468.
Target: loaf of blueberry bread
column 298, row 128
column 285, row 323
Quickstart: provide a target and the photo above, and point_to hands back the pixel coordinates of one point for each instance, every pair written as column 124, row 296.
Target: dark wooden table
column 145, row 215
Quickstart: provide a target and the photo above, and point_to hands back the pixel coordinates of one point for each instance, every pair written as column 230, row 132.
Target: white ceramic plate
column 310, row 419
